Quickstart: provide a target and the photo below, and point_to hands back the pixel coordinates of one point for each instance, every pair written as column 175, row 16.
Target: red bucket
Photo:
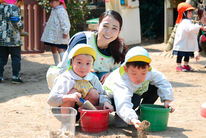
column 94, row 121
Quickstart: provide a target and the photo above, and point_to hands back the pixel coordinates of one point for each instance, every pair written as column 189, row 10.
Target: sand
column 23, row 106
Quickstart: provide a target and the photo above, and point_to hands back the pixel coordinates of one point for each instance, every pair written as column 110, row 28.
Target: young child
column 56, row 32
column 64, row 92
column 10, row 39
column 134, row 80
column 185, row 42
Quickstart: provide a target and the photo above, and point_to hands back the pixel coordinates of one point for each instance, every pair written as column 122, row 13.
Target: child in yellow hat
column 134, row 81
column 66, row 91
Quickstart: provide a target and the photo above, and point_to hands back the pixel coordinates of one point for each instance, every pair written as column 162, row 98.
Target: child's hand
column 65, row 36
column 108, row 106
column 167, row 104
column 72, row 97
column 197, row 57
column 136, row 123
column 73, row 90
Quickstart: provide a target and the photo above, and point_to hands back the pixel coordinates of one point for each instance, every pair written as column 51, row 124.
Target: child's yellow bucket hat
column 137, row 53
column 82, row 49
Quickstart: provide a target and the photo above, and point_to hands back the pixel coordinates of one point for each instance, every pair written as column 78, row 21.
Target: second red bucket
column 94, row 121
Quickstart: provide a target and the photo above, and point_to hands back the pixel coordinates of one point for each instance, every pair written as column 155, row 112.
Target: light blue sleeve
column 164, row 87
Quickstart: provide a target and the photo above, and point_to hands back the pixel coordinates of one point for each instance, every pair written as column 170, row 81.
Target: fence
column 34, row 19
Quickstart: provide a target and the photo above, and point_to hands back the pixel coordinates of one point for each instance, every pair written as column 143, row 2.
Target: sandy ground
column 23, row 106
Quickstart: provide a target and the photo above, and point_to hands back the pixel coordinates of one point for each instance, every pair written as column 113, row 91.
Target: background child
column 185, row 42
column 64, row 94
column 10, row 39
column 202, row 32
column 56, row 32
column 136, row 80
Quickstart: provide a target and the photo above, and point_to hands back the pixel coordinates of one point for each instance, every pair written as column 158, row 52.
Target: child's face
column 108, row 30
column 82, row 64
column 189, row 14
column 136, row 75
column 54, row 3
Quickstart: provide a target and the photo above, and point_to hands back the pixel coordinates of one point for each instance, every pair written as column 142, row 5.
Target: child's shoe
column 16, row 80
column 187, row 67
column 180, row 68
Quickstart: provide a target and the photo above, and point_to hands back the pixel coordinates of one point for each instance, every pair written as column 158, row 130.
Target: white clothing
column 186, row 36
column 66, row 81
column 57, row 25
column 119, row 86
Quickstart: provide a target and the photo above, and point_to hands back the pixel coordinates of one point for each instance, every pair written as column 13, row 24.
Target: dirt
column 24, row 109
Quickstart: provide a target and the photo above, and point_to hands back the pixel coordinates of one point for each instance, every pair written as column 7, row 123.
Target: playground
column 23, row 107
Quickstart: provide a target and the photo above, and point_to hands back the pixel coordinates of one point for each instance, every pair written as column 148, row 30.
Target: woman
column 109, row 47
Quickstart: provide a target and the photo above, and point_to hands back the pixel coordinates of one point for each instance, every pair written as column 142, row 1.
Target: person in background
column 10, row 39
column 201, row 38
column 109, row 47
column 56, row 32
column 78, row 81
column 185, row 42
column 135, row 82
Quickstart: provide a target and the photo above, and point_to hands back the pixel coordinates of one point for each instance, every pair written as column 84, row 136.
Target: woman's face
column 108, row 30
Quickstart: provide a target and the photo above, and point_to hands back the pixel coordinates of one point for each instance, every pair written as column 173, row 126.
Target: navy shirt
column 81, row 38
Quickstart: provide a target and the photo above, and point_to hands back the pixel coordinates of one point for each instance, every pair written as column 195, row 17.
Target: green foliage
column 44, row 4
column 77, row 10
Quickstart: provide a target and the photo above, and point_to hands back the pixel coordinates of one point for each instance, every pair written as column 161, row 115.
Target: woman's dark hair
column 200, row 11
column 117, row 47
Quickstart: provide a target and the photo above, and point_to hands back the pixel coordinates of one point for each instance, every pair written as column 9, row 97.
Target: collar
column 88, row 77
column 60, row 6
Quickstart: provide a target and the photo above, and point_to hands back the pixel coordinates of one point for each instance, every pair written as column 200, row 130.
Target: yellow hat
column 82, row 49
column 137, row 54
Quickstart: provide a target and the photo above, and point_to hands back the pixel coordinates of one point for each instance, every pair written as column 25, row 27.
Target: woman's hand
column 102, row 80
column 108, row 106
column 167, row 104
